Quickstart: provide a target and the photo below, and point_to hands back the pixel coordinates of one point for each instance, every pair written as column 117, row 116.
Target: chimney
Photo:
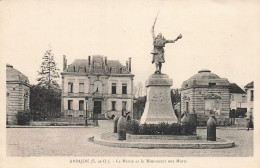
column 129, row 60
column 106, row 61
column 126, row 65
column 64, row 62
column 89, row 59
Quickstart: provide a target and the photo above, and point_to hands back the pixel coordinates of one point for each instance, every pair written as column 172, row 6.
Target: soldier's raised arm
column 172, row 41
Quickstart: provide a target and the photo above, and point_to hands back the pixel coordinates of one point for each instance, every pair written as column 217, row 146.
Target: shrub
column 132, row 127
column 23, row 117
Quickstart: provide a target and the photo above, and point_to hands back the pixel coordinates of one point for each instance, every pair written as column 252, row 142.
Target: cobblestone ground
column 74, row 142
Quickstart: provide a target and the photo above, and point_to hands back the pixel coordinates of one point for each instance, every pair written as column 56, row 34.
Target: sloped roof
column 77, row 65
column 114, row 63
column 205, row 74
column 234, row 88
column 80, row 62
column 250, row 85
column 15, row 75
column 204, row 78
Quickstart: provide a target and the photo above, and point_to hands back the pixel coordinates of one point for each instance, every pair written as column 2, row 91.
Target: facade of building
column 96, row 87
column 17, row 94
column 206, row 93
column 249, row 88
column 238, row 98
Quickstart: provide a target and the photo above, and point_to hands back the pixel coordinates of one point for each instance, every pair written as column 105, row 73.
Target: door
column 97, row 109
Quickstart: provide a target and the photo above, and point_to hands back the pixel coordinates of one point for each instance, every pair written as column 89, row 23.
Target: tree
column 49, row 71
column 45, row 103
column 139, row 106
column 175, row 96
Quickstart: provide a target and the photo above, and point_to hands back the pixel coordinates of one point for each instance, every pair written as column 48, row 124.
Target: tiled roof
column 234, row 88
column 250, row 85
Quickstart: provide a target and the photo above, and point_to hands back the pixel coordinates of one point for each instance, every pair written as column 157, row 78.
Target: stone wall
column 196, row 101
column 15, row 100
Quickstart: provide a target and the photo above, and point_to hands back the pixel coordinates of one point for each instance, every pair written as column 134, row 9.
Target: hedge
column 134, row 127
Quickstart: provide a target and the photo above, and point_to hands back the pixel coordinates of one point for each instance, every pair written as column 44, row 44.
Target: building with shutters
column 17, row 94
column 205, row 93
column 96, row 87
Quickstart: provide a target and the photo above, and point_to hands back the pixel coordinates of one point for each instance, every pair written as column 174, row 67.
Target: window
column 243, row 99
column 80, row 115
column 81, row 105
column 123, row 105
column 124, row 88
column 252, row 95
column 212, row 84
column 232, row 97
column 113, row 88
column 81, row 87
column 187, row 107
column 70, row 104
column 70, row 89
column 113, row 106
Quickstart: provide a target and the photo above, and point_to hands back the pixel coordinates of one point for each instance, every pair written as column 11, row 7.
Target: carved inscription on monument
column 159, row 95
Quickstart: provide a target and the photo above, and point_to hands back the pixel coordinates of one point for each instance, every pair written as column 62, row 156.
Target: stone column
column 158, row 107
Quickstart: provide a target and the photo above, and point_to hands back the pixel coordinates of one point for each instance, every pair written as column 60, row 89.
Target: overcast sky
column 222, row 36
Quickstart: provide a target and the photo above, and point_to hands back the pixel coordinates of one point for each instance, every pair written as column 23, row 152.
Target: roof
column 114, row 63
column 80, row 62
column 107, row 66
column 84, row 62
column 13, row 74
column 234, row 88
column 205, row 74
column 205, row 78
column 250, row 85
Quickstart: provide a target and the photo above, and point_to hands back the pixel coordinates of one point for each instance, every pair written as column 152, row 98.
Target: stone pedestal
column 158, row 107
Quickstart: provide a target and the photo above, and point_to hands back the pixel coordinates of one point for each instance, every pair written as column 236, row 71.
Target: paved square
column 71, row 141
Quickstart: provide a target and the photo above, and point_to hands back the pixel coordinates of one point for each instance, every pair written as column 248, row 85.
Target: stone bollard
column 211, row 129
column 121, row 128
column 115, row 123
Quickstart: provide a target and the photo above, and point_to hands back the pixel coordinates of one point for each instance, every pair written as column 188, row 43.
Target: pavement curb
column 154, row 145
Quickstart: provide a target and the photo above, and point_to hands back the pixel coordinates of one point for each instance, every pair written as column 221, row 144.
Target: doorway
column 97, row 109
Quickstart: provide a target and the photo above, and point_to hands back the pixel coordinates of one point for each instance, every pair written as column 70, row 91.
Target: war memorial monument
column 159, row 126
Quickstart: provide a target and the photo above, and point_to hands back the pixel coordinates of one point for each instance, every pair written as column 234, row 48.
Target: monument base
column 158, row 107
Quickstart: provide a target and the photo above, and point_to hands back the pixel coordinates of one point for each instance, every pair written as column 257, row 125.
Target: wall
column 104, row 83
column 195, row 97
column 15, row 100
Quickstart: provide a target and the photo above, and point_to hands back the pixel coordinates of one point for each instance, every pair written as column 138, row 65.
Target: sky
column 222, row 36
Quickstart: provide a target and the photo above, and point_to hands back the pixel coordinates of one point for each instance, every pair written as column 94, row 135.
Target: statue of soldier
column 158, row 52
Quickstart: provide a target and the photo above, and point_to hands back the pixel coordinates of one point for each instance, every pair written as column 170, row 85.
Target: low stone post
column 121, row 128
column 211, row 129
column 115, row 123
